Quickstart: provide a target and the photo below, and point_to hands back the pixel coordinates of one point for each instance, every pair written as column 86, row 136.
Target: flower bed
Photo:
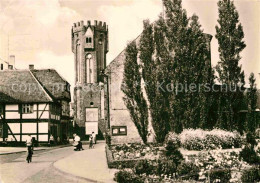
column 215, row 161
column 169, row 163
column 216, row 165
column 112, row 163
column 205, row 140
column 135, row 151
column 128, row 155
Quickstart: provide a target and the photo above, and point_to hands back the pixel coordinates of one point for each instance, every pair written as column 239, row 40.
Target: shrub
column 250, row 139
column 171, row 136
column 108, row 139
column 249, row 155
column 251, row 175
column 173, row 153
column 166, row 167
column 143, row 167
column 257, row 132
column 124, row 176
column 188, row 170
column 202, row 139
column 220, row 175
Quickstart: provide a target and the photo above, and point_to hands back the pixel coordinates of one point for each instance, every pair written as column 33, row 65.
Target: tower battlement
column 79, row 26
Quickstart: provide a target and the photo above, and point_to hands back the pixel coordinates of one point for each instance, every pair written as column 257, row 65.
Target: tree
column 190, row 67
column 252, row 121
column 230, row 39
column 153, row 56
column 131, row 86
column 176, row 22
column 198, row 73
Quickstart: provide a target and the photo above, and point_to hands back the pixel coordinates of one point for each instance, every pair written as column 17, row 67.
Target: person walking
column 92, row 138
column 51, row 141
column 29, row 145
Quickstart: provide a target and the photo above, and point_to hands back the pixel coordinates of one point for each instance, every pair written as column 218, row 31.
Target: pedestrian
column 77, row 143
column 92, row 138
column 51, row 141
column 29, row 145
column 58, row 140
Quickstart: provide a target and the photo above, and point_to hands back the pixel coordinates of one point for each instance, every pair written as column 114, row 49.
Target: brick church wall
column 119, row 115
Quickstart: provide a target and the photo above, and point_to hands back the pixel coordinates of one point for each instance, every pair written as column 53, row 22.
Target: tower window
column 89, row 69
column 88, row 40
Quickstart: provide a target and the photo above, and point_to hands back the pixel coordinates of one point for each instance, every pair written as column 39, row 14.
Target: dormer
column 89, row 38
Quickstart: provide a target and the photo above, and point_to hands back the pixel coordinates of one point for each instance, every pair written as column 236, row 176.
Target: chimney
column 31, row 67
column 11, row 60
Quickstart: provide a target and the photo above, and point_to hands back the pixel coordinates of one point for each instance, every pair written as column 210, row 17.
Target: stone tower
column 90, row 46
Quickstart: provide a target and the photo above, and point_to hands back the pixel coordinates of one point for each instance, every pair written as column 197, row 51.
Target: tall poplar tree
column 252, row 118
column 131, row 86
column 176, row 22
column 230, row 39
column 199, row 74
column 153, row 57
column 190, row 65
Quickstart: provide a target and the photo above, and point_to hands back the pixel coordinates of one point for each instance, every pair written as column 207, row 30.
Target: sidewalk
column 12, row 150
column 90, row 164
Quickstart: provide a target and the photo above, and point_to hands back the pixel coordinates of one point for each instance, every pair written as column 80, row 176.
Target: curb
column 17, row 152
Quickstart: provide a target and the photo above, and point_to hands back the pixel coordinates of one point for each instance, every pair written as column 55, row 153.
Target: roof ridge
column 110, row 63
column 55, row 71
column 41, row 85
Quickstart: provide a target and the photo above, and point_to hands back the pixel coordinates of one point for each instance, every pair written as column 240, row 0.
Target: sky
column 39, row 31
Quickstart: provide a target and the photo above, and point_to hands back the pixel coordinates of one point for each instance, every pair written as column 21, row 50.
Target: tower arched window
column 78, row 58
column 88, row 40
column 89, row 69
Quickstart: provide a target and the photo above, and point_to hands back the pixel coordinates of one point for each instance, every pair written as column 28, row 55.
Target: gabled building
column 33, row 102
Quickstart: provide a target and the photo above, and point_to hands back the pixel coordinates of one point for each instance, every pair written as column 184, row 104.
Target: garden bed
column 172, row 162
column 128, row 155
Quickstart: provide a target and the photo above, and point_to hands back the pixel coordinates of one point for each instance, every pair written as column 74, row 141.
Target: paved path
column 90, row 164
column 57, row 165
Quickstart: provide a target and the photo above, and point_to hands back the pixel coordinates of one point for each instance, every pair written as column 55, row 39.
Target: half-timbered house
column 33, row 102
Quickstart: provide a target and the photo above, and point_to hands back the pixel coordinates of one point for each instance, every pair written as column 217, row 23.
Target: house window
column 88, row 40
column 119, row 130
column 2, row 66
column 27, row 108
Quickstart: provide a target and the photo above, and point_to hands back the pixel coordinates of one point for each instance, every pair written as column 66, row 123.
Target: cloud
column 63, row 64
column 126, row 22
column 40, row 30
